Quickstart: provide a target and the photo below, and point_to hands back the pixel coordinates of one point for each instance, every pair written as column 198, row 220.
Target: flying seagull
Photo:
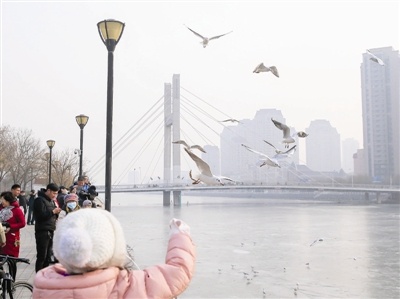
column 281, row 153
column 206, row 40
column 287, row 138
column 262, row 68
column 266, row 160
column 374, row 58
column 232, row 120
column 316, row 240
column 189, row 147
column 205, row 175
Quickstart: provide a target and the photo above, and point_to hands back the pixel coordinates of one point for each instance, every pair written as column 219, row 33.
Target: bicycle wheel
column 22, row 290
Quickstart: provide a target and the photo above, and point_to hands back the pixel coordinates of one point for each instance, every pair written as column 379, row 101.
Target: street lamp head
column 50, row 143
column 110, row 32
column 81, row 120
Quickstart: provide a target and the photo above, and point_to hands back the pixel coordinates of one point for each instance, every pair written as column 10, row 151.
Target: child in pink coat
column 91, row 249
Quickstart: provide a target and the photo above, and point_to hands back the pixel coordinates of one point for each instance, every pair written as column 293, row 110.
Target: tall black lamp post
column 81, row 120
column 50, row 144
column 110, row 32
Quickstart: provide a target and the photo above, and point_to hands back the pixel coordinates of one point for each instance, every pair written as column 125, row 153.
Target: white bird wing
column 260, row 68
column 276, row 150
column 183, row 142
column 225, row 178
column 375, row 58
column 203, row 167
column 256, row 152
column 283, row 127
column 274, row 70
column 198, row 34
column 283, row 155
column 198, row 147
column 218, row 36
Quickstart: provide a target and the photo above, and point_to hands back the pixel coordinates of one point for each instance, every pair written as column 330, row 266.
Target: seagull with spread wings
column 206, row 40
column 266, row 160
column 189, row 147
column 282, row 153
column 374, row 58
column 205, row 174
column 262, row 68
column 287, row 137
column 232, row 120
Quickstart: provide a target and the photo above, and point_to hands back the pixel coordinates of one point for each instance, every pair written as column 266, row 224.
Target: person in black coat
column 46, row 214
column 31, row 217
column 22, row 201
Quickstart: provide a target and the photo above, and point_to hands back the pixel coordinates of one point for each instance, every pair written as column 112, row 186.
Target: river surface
column 264, row 248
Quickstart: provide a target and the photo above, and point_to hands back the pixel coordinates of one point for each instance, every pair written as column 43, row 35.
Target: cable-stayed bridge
column 146, row 148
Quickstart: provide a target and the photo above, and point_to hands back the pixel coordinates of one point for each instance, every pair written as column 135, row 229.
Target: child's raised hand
column 178, row 226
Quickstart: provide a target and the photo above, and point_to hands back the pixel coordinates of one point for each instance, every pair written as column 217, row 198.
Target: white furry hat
column 89, row 239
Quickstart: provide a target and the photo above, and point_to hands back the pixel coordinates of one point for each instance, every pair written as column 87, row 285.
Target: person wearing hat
column 71, row 205
column 91, row 248
column 87, row 203
column 12, row 219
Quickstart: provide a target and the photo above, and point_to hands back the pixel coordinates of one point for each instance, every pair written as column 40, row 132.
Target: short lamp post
column 110, row 33
column 81, row 120
column 50, row 144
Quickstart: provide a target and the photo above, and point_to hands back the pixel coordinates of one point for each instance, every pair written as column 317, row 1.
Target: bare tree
column 65, row 167
column 6, row 149
column 25, row 156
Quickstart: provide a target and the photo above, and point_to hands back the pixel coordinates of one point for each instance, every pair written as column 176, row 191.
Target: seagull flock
column 205, row 175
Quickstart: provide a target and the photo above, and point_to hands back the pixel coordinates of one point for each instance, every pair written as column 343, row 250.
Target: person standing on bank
column 31, row 218
column 12, row 219
column 46, row 214
column 22, row 201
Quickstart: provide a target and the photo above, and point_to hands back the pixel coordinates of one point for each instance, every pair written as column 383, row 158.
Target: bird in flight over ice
column 262, row 68
column 205, row 174
column 189, row 147
column 282, row 153
column 232, row 120
column 374, row 58
column 206, row 40
column 287, row 137
column 266, row 160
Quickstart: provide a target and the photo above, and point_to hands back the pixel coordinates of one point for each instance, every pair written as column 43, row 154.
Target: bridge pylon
column 172, row 128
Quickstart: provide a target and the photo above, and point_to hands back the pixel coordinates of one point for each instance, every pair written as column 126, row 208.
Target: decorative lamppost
column 110, row 33
column 50, row 144
column 81, row 120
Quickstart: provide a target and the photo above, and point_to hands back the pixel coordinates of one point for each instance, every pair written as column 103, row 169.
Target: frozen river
column 356, row 254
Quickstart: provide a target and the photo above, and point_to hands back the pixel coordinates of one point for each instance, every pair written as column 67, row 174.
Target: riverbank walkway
column 27, row 272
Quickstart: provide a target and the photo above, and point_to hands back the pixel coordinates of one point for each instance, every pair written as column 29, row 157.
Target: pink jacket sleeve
column 161, row 281
column 170, row 279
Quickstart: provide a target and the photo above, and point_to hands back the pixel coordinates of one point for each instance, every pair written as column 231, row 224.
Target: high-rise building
column 349, row 148
column 380, row 86
column 212, row 158
column 322, row 146
column 239, row 163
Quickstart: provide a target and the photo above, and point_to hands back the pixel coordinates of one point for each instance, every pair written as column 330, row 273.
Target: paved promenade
column 28, row 250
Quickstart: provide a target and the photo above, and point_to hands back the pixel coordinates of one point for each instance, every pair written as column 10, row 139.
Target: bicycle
column 11, row 289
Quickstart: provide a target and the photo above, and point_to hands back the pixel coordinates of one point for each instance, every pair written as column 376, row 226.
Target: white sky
column 54, row 65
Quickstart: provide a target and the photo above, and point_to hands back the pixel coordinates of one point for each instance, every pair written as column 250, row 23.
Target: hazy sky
column 54, row 65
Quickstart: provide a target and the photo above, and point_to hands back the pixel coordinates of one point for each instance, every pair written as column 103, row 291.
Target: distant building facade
column 349, row 148
column 323, row 147
column 380, row 86
column 244, row 166
column 212, row 158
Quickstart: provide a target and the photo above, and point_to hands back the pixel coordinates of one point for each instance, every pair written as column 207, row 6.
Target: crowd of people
column 43, row 209
column 90, row 252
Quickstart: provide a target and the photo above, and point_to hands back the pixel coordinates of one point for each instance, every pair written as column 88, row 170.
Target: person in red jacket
column 12, row 219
